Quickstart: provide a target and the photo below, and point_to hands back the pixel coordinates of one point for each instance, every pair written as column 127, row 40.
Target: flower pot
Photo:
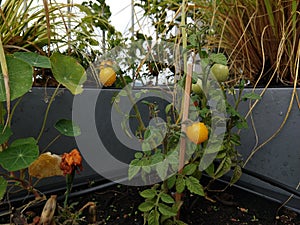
column 278, row 159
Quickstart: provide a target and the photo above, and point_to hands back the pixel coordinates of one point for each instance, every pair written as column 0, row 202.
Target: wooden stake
column 185, row 114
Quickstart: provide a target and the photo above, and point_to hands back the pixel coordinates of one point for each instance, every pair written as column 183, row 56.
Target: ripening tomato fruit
column 196, row 88
column 106, row 63
column 221, row 72
column 107, row 76
column 197, row 132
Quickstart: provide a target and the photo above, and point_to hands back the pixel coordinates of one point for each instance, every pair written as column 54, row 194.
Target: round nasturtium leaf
column 34, row 59
column 3, row 186
column 67, row 128
column 68, row 72
column 20, row 154
column 20, row 78
column 5, row 134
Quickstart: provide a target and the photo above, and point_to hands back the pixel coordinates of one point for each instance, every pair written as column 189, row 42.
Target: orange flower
column 71, row 161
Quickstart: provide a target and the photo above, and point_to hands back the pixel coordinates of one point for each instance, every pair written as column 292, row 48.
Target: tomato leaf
column 167, row 198
column 162, row 169
column 166, row 210
column 219, row 58
column 171, row 181
column 180, row 184
column 146, row 206
column 153, row 218
column 148, row 193
column 224, row 167
column 251, row 95
column 210, row 170
column 194, row 186
column 133, row 170
column 189, row 169
column 237, row 173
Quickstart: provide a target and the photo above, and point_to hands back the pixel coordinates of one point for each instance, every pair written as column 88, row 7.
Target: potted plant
column 165, row 158
column 199, row 134
column 28, row 59
column 261, row 40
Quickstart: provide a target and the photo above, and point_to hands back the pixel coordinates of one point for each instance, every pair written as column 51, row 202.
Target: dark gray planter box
column 279, row 159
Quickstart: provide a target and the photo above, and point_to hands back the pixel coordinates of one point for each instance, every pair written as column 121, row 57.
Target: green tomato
column 221, row 72
column 196, row 88
column 199, row 82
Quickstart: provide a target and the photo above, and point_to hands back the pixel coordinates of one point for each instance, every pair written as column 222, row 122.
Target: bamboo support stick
column 185, row 114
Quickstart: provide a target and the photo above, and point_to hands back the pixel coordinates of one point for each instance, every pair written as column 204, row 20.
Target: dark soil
column 117, row 205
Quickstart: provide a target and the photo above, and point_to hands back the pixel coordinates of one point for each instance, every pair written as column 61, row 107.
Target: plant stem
column 186, row 100
column 69, row 184
column 135, row 108
column 48, row 24
column 47, row 111
column 5, row 80
column 51, row 142
column 13, row 110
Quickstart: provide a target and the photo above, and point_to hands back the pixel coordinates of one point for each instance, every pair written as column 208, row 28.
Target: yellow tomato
column 107, row 76
column 197, row 132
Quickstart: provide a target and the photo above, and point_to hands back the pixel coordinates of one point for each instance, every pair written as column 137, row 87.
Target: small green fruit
column 196, row 88
column 221, row 72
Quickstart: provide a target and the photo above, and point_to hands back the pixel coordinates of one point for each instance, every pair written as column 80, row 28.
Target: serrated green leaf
column 162, row 169
column 237, row 173
column 3, row 186
column 123, row 93
column 171, row 181
column 189, row 169
column 132, row 171
column 148, row 193
column 153, row 218
column 251, row 95
column 168, row 108
column 20, row 78
column 180, row 184
column 242, row 124
column 167, row 198
column 34, row 59
column 166, row 210
column 194, row 186
column 235, row 139
column 146, row 169
column 20, row 154
column 193, row 39
column 138, row 155
column 146, row 206
column 224, row 167
column 67, row 128
column 4, row 135
column 210, row 170
column 157, row 158
column 138, row 95
column 219, row 58
column 68, row 72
